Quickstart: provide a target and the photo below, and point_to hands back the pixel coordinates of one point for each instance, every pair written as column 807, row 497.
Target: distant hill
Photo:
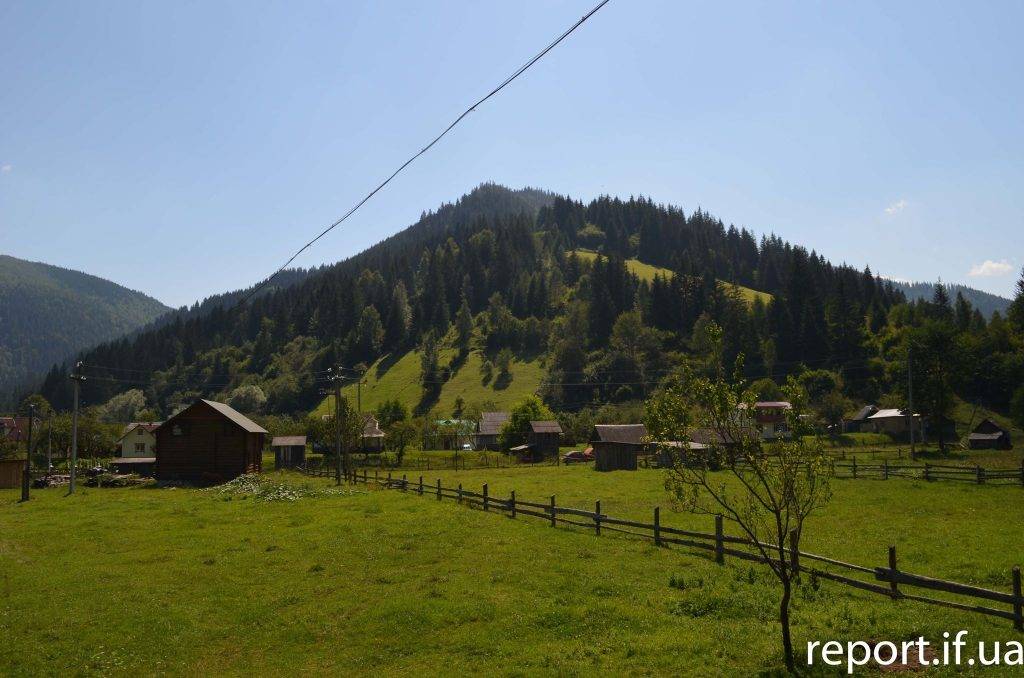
column 983, row 301
column 48, row 313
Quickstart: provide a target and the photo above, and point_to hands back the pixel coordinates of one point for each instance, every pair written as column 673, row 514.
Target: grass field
column 399, row 379
column 648, row 272
column 196, row 582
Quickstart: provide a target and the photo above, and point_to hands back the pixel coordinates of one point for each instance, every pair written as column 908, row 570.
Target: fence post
column 926, row 472
column 893, row 586
column 512, row 504
column 459, row 499
column 1022, row 472
column 885, row 470
column 980, row 473
column 597, row 518
column 376, row 476
column 439, row 489
column 1018, row 602
column 719, row 543
column 421, row 486
column 366, row 476
column 552, row 510
column 794, row 553
column 487, row 506
column 855, row 468
column 405, row 483
column 657, row 526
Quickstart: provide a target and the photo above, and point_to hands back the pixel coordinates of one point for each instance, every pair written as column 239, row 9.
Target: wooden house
column 544, row 437
column 489, row 429
column 207, row 443
column 769, row 417
column 289, row 451
column 989, row 435
column 617, row 446
column 894, row 422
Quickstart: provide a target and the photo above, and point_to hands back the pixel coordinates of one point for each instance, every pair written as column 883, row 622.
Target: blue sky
column 188, row 148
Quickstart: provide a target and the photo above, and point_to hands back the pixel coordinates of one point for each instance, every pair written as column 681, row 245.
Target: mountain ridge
column 49, row 312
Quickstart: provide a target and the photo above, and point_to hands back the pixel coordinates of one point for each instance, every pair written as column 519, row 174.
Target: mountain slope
column 496, row 260
column 47, row 313
column 983, row 301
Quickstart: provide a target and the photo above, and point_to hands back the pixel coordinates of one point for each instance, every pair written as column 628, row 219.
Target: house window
column 140, row 447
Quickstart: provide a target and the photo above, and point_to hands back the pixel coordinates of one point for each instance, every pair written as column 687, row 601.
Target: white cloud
column 6, row 168
column 896, row 207
column 989, row 269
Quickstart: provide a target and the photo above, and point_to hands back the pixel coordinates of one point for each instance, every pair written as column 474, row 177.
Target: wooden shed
column 289, row 451
column 617, row 446
column 544, row 437
column 989, row 435
column 489, row 429
column 208, row 443
column 11, row 470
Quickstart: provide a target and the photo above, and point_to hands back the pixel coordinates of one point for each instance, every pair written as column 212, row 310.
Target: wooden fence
column 887, row 580
column 971, row 474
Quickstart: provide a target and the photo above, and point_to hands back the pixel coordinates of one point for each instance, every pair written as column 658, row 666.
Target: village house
column 989, row 435
column 617, row 446
column 769, row 418
column 894, row 422
column 489, row 429
column 859, row 422
column 373, row 437
column 208, row 443
column 289, row 451
column 138, row 439
column 15, row 429
column 544, row 437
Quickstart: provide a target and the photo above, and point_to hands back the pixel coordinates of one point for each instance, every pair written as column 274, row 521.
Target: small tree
column 531, row 409
column 766, row 489
column 399, row 436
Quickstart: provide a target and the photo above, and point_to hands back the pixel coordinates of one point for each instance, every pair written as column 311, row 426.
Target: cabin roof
column 620, row 433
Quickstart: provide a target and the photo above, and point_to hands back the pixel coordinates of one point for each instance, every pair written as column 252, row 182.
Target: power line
column 522, row 69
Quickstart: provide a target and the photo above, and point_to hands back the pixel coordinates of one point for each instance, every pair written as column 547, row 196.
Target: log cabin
column 208, row 443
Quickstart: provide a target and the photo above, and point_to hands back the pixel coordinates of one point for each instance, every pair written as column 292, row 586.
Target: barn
column 544, row 437
column 989, row 435
column 207, row 443
column 617, row 446
column 289, row 451
column 489, row 428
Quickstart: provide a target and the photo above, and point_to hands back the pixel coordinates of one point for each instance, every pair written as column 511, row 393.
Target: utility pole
column 49, row 444
column 26, row 476
column 334, row 376
column 910, row 397
column 77, row 378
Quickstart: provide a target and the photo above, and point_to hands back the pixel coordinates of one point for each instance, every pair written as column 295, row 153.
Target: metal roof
column 491, row 422
column 230, row 413
column 545, row 427
column 288, row 441
column 620, row 433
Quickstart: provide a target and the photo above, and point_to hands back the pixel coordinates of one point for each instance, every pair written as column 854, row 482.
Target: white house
column 138, row 439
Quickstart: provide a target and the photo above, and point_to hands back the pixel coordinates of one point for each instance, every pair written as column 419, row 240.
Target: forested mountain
column 496, row 274
column 983, row 301
column 47, row 313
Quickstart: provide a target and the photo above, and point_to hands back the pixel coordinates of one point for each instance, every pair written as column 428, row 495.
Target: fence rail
column 889, row 580
column 930, row 472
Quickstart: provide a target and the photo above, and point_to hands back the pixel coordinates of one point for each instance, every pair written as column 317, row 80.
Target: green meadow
column 182, row 581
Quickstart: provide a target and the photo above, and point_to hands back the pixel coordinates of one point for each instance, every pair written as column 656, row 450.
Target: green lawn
column 399, row 379
column 194, row 582
column 648, row 272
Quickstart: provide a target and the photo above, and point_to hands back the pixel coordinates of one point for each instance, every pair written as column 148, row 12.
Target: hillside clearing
column 648, row 272
column 400, row 380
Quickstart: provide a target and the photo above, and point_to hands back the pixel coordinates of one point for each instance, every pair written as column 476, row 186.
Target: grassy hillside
column 47, row 313
column 187, row 582
column 391, row 378
column 648, row 272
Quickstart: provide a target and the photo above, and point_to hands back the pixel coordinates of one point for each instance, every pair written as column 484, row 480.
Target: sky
column 188, row 148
